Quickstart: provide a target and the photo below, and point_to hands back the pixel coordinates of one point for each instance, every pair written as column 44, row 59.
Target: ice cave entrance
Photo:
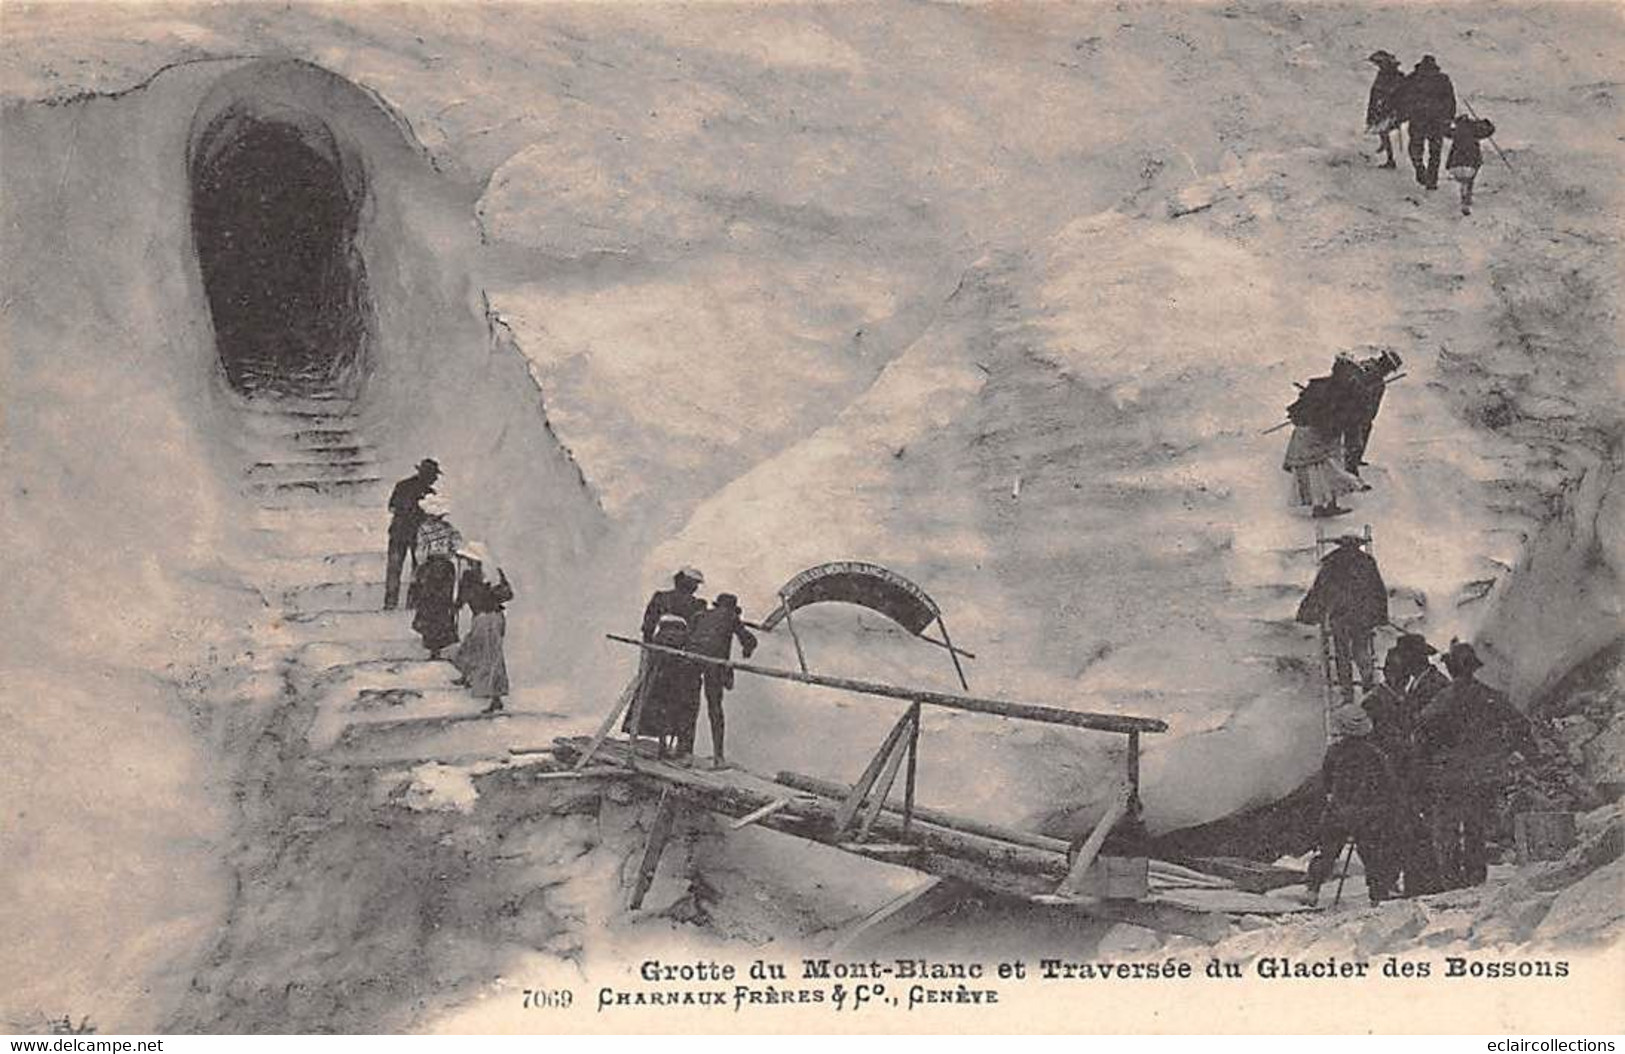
column 275, row 211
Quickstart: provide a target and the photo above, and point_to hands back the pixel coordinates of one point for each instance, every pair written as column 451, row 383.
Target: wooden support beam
column 814, row 819
column 888, row 777
column 953, row 653
column 860, row 790
column 1134, row 765
column 1165, row 918
column 882, row 849
column 614, row 715
column 944, row 644
column 760, row 814
column 962, row 824
column 992, row 866
column 927, row 900
column 1090, row 849
column 659, row 832
column 790, row 624
column 913, row 766
column 1053, row 715
column 596, row 772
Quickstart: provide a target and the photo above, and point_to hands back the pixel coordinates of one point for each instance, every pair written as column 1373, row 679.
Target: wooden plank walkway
column 968, row 854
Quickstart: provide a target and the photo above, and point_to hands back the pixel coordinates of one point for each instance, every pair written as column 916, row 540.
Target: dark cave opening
column 274, row 220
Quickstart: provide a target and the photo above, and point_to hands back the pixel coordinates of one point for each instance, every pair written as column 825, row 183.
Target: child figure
column 1466, row 156
column 715, row 630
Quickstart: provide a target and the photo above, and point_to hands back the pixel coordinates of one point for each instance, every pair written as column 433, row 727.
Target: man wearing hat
column 1409, row 682
column 714, row 633
column 1467, row 735
column 405, row 518
column 1350, row 599
column 1381, row 114
column 1362, row 384
column 1362, row 802
column 1427, row 101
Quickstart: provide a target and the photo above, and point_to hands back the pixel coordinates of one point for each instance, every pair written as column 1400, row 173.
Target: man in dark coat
column 1361, row 385
column 714, row 634
column 1409, row 681
column 1363, row 802
column 1467, row 735
column 1350, row 600
column 1381, row 115
column 1427, row 100
column 405, row 518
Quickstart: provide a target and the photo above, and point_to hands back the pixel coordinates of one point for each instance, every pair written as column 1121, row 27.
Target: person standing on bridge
column 647, row 715
column 667, row 702
column 405, row 516
column 1350, row 600
column 680, row 600
column 713, row 634
column 479, row 658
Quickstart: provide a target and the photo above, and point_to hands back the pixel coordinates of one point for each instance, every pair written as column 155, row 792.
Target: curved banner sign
column 866, row 585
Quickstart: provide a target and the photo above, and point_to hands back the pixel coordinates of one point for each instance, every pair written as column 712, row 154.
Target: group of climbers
column 420, row 529
column 1413, row 774
column 1424, row 103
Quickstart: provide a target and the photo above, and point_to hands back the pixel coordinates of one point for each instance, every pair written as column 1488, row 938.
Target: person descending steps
column 434, row 587
column 479, row 658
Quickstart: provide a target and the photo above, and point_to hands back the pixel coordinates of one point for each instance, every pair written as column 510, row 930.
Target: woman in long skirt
column 1314, row 456
column 480, row 659
column 667, row 698
column 435, row 590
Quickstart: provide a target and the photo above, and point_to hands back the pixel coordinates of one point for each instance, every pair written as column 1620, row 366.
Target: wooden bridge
column 1104, row 874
